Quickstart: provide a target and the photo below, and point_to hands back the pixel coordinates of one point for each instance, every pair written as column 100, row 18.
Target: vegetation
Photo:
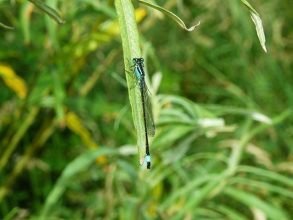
column 69, row 132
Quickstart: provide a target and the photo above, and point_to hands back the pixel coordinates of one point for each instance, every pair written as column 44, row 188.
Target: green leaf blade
column 258, row 24
column 131, row 49
column 71, row 171
column 6, row 27
column 253, row 201
column 171, row 15
column 49, row 11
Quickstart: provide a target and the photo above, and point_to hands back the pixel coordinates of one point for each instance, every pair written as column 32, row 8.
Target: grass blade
column 131, row 49
column 6, row 27
column 79, row 164
column 258, row 24
column 49, row 11
column 254, row 202
column 171, row 15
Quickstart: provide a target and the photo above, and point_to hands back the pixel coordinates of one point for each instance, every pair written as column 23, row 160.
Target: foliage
column 222, row 107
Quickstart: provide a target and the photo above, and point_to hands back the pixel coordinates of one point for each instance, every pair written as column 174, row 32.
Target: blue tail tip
column 148, row 160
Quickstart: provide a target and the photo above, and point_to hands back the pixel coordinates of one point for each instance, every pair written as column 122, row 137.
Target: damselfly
column 149, row 125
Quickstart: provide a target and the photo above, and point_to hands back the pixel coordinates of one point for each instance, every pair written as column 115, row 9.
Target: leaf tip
column 193, row 27
column 141, row 161
column 61, row 21
column 6, row 27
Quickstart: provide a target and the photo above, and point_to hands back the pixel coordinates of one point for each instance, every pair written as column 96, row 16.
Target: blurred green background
column 222, row 106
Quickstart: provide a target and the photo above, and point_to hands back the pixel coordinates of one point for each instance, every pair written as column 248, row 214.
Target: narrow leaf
column 253, row 201
column 49, row 11
column 259, row 30
column 78, row 165
column 25, row 19
column 171, row 15
column 5, row 26
column 131, row 49
column 231, row 213
column 258, row 24
column 51, row 26
column 13, row 81
column 74, row 123
column 59, row 96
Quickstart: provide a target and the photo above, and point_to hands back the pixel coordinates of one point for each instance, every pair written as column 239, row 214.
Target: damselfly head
column 138, row 60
